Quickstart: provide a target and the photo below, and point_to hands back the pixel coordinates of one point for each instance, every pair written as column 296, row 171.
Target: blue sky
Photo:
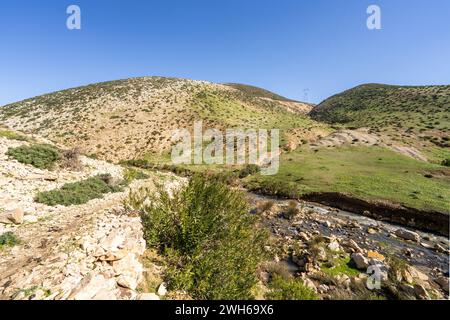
column 286, row 46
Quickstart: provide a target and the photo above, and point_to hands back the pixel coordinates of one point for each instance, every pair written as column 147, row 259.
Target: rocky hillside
column 90, row 250
column 126, row 119
column 417, row 116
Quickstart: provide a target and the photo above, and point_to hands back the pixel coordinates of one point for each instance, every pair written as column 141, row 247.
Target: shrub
column 249, row 170
column 41, row 156
column 211, row 243
column 291, row 211
column 131, row 174
column 8, row 239
column 70, row 159
column 289, row 289
column 78, row 192
column 265, row 206
column 446, row 162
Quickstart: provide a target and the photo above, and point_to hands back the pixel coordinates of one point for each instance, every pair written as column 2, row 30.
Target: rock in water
column 407, row 235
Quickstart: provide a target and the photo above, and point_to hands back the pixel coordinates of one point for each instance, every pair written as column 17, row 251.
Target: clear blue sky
column 286, row 46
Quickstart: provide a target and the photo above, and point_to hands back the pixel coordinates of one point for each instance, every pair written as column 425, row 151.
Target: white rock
column 361, row 262
column 162, row 290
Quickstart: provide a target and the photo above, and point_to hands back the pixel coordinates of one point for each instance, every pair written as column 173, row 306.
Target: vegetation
column 369, row 173
column 257, row 92
column 212, row 244
column 131, row 174
column 41, row 156
column 8, row 239
column 379, row 106
column 289, row 289
column 13, row 135
column 292, row 210
column 79, row 192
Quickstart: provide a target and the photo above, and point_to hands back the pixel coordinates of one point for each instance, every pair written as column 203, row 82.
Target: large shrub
column 41, row 156
column 207, row 235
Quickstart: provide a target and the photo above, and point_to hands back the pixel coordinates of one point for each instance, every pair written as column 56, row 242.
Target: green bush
column 208, row 237
column 78, row 192
column 291, row 211
column 131, row 174
column 249, row 170
column 8, row 239
column 41, row 156
column 289, row 289
column 446, row 162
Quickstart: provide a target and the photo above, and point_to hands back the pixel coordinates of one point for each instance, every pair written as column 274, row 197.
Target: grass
column 13, row 135
column 289, row 289
column 339, row 265
column 80, row 192
column 8, row 239
column 369, row 173
column 41, row 156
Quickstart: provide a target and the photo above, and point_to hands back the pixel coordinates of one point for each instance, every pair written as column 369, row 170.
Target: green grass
column 370, row 173
column 339, row 265
column 76, row 193
column 13, row 135
column 8, row 239
column 41, row 156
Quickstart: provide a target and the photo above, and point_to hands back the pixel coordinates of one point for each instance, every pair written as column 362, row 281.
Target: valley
column 363, row 183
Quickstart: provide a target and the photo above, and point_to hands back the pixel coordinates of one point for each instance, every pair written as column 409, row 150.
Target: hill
column 129, row 118
column 416, row 115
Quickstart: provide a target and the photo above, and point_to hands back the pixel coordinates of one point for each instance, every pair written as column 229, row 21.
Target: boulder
column 421, row 293
column 443, row 282
column 361, row 262
column 14, row 216
column 407, row 235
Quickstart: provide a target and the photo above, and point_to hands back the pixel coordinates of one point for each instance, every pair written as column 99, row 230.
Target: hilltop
column 125, row 119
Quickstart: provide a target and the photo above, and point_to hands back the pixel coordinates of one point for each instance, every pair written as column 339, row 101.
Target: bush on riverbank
column 209, row 239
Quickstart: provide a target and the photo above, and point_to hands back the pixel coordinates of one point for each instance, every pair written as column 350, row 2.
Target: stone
column 148, row 296
column 371, row 231
column 407, row 235
column 162, row 290
column 361, row 262
column 421, row 293
column 351, row 246
column 375, row 255
column 334, row 246
column 14, row 216
column 127, row 281
column 443, row 283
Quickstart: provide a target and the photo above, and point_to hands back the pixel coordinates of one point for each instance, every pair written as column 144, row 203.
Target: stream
column 368, row 233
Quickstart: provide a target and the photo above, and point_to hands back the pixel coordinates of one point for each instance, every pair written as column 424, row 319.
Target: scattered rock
column 421, row 293
column 334, row 246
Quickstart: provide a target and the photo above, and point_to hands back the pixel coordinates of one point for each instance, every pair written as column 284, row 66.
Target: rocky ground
column 89, row 251
column 333, row 250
